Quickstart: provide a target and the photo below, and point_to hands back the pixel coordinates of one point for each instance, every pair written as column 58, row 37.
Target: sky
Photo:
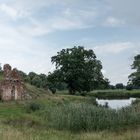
column 31, row 31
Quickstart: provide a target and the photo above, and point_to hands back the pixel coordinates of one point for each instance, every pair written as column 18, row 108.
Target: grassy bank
column 108, row 94
column 66, row 117
column 115, row 94
column 75, row 114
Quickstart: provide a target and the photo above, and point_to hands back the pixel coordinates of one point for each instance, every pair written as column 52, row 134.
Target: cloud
column 25, row 52
column 114, row 48
column 35, row 28
column 113, row 22
column 128, row 10
column 30, row 31
column 9, row 10
column 60, row 22
column 44, row 17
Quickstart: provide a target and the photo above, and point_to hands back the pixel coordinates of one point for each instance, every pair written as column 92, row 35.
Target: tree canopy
column 38, row 80
column 78, row 68
column 134, row 78
column 119, row 86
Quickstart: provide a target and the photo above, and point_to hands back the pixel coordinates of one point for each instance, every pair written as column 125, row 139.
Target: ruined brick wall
column 12, row 87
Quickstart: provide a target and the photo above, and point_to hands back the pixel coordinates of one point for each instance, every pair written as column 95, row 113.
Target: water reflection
column 115, row 104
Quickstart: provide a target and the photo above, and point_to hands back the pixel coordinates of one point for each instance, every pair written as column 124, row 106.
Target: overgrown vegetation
column 71, row 113
column 26, row 133
column 79, row 69
column 60, row 116
column 76, row 117
column 86, row 117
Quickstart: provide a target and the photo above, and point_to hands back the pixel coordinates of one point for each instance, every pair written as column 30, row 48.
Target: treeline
column 79, row 70
column 38, row 80
column 42, row 81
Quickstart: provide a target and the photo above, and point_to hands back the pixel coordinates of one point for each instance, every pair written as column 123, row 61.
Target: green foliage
column 104, row 84
column 33, row 106
column 35, row 133
column 79, row 68
column 134, row 78
column 35, row 92
column 129, row 87
column 36, row 81
column 32, row 75
column 115, row 94
column 135, row 102
column 23, row 76
column 112, row 87
column 53, row 81
column 85, row 117
column 74, row 113
column 119, row 86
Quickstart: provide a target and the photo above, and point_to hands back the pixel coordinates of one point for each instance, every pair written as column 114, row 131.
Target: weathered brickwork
column 11, row 87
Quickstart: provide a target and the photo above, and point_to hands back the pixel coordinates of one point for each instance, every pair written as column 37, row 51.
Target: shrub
column 129, row 87
column 83, row 93
column 53, row 90
column 33, row 107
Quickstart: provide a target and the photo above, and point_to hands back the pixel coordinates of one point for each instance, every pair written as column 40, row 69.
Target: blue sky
column 31, row 31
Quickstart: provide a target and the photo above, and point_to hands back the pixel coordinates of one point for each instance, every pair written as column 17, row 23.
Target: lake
column 115, row 104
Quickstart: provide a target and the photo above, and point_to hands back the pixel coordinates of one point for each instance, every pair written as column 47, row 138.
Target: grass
column 108, row 94
column 25, row 133
column 1, row 76
column 66, row 117
column 115, row 94
column 86, row 117
column 75, row 115
column 35, row 93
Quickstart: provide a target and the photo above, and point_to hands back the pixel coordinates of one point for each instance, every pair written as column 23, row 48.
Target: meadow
column 108, row 94
column 115, row 94
column 66, row 117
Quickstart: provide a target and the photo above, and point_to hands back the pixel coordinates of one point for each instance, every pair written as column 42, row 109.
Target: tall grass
column 12, row 133
column 86, row 117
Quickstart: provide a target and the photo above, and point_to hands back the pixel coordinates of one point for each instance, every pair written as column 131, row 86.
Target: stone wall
column 12, row 87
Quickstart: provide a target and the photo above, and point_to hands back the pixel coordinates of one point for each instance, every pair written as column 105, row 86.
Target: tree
column 32, row 75
column 24, row 76
column 78, row 68
column 104, row 84
column 36, row 81
column 119, row 86
column 134, row 78
column 43, row 83
column 112, row 87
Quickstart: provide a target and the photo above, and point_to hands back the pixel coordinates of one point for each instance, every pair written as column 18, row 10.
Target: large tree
column 134, row 78
column 78, row 68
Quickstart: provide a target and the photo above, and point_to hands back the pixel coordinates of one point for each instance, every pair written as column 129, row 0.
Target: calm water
column 117, row 103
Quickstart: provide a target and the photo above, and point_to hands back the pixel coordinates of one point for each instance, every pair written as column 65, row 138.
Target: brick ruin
column 11, row 87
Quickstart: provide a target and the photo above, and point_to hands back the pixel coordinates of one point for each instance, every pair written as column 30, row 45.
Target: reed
column 86, row 117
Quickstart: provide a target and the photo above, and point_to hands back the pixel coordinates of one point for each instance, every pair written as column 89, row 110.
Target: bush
column 129, row 87
column 53, row 90
column 33, row 107
column 83, row 93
